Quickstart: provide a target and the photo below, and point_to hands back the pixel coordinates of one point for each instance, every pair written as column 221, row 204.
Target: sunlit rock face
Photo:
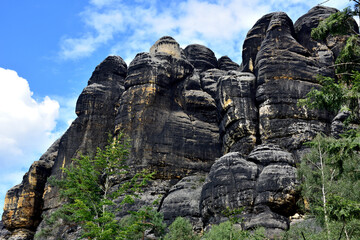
column 217, row 134
column 24, row 202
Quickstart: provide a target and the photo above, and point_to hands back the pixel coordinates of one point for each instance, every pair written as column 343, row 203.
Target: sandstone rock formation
column 191, row 117
column 24, row 202
column 173, row 124
column 264, row 184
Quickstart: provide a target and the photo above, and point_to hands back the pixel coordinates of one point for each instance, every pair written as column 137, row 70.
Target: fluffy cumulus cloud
column 26, row 127
column 133, row 26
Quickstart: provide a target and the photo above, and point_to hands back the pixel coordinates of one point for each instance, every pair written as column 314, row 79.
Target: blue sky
column 48, row 50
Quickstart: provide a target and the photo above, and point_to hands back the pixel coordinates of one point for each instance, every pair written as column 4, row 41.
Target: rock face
column 192, row 118
column 264, row 184
column 173, row 124
column 285, row 72
column 239, row 114
column 183, row 200
column 95, row 109
column 24, row 202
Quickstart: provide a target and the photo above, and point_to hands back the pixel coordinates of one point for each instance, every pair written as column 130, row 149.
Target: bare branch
column 323, row 2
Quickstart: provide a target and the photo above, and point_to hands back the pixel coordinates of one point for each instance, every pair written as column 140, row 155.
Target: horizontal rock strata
column 218, row 134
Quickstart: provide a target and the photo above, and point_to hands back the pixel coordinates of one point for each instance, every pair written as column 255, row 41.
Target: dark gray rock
column 173, row 126
column 264, row 184
column 96, row 108
column 307, row 22
column 286, row 72
column 253, row 41
column 183, row 200
column 239, row 114
column 230, row 183
column 209, row 81
column 4, row 233
column 226, row 64
column 281, row 56
column 201, row 57
column 152, row 194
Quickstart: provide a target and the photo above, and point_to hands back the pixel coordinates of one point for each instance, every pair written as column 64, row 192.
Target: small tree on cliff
column 342, row 93
column 91, row 186
column 330, row 172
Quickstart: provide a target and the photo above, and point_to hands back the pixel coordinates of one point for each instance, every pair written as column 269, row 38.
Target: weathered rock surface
column 183, row 200
column 226, row 64
column 253, row 41
column 173, row 125
column 239, row 114
column 24, row 202
column 264, row 184
column 307, row 22
column 183, row 109
column 286, row 72
column 201, row 57
column 95, row 109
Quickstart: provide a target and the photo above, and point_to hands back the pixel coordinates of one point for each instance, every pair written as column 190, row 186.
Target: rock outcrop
column 173, row 124
column 24, row 202
column 95, row 108
column 264, row 184
column 216, row 133
column 239, row 114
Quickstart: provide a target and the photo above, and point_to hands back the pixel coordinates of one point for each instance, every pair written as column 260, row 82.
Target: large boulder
column 264, row 184
column 183, row 200
column 201, row 57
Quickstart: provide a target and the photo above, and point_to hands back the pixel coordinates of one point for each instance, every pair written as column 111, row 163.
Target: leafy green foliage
column 336, row 95
column 233, row 214
column 312, row 231
column 227, row 231
column 339, row 23
column 181, row 229
column 330, row 172
column 138, row 222
column 344, row 92
column 331, row 180
column 90, row 186
column 348, row 60
column 331, row 96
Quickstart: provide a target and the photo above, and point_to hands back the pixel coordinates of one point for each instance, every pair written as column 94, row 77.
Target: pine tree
column 90, row 187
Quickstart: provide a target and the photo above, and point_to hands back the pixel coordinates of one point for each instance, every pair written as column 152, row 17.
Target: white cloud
column 104, row 24
column 132, row 27
column 26, row 128
column 22, row 118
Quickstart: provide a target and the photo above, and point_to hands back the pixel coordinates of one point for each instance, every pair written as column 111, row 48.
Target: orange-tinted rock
column 23, row 203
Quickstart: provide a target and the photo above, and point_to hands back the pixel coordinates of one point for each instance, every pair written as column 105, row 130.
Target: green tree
column 90, row 187
column 181, row 229
column 330, row 172
column 342, row 93
column 227, row 231
column 331, row 181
